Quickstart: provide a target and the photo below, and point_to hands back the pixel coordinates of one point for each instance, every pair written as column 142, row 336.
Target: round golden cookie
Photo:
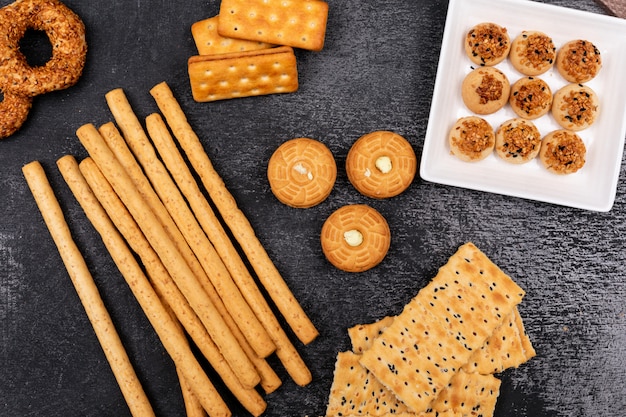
column 517, row 141
column 578, row 61
column 355, row 238
column 575, row 107
column 381, row 164
column 532, row 52
column 487, row 44
column 485, row 90
column 471, row 139
column 531, row 98
column 302, row 172
column 562, row 152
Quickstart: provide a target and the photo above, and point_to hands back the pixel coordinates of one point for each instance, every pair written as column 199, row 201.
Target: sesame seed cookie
column 562, row 152
column 485, row 90
column 471, row 139
column 487, row 44
column 578, row 61
column 532, row 52
column 575, row 107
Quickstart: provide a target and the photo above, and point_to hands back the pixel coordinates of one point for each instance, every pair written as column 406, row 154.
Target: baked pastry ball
column 578, row 61
column 355, row 238
column 302, row 172
column 487, row 44
column 485, row 90
column 532, row 52
column 381, row 164
column 562, row 152
column 575, row 107
column 517, row 141
column 471, row 139
column 531, row 97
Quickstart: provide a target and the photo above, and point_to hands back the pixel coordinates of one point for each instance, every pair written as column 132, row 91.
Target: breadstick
column 169, row 254
column 169, row 333
column 87, row 291
column 224, row 246
column 188, row 225
column 112, row 136
column 233, row 216
column 166, row 288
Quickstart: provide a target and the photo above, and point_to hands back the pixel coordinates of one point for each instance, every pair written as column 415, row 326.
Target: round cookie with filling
column 381, row 164
column 531, row 98
column 575, row 107
column 578, row 61
column 471, row 139
column 532, row 52
column 355, row 238
column 517, row 141
column 487, row 44
column 562, row 152
column 485, row 90
column 302, row 172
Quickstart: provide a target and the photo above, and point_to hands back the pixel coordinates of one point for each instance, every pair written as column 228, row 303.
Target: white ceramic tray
column 591, row 188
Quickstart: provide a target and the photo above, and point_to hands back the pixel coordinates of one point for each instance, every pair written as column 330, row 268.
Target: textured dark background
column 376, row 71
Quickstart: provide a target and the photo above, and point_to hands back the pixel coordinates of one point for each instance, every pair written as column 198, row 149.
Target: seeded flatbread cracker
column 209, row 42
column 501, row 351
column 438, row 331
column 469, row 394
column 296, row 23
column 362, row 335
column 243, row 74
column 356, row 392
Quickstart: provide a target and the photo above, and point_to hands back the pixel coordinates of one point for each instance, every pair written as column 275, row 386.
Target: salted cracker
column 296, row 23
column 243, row 74
column 209, row 42
column 438, row 331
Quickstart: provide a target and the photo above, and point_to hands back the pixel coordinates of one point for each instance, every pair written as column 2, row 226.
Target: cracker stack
column 237, row 49
column 438, row 356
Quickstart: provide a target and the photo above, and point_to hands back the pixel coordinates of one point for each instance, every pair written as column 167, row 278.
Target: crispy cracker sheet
column 296, row 23
column 209, row 42
column 243, row 74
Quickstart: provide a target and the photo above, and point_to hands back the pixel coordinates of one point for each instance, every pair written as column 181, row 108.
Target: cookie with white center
column 532, row 52
column 487, row 44
column 575, row 107
column 355, row 238
column 439, row 330
column 302, row 172
column 531, row 98
column 485, row 90
column 381, row 164
column 562, row 152
column 471, row 139
column 518, row 141
column 578, row 61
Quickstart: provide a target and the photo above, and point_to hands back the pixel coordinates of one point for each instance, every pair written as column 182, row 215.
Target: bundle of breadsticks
column 142, row 197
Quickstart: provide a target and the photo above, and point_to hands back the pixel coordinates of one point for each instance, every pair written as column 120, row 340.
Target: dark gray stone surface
column 376, row 71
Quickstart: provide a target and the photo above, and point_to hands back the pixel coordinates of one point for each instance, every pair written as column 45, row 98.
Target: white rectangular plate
column 594, row 186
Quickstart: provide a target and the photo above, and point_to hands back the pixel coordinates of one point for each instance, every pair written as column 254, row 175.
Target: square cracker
column 209, row 42
column 243, row 74
column 438, row 331
column 296, row 23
